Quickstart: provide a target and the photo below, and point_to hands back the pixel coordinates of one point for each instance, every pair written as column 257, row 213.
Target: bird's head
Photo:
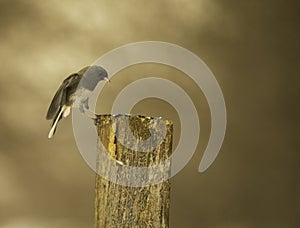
column 92, row 75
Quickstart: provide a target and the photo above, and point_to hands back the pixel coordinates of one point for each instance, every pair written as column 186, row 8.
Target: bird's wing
column 60, row 97
column 70, row 87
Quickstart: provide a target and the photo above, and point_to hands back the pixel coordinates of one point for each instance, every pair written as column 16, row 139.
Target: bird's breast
column 80, row 96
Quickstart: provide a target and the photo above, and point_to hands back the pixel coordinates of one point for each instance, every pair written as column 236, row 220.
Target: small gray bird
column 68, row 96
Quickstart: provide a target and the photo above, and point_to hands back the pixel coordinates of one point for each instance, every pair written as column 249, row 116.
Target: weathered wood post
column 125, row 206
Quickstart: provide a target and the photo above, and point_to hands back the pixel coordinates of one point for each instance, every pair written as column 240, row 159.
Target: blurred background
column 252, row 47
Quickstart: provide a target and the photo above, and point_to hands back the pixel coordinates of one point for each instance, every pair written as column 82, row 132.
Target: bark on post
column 124, row 206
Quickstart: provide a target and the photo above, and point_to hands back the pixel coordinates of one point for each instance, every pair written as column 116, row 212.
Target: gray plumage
column 68, row 95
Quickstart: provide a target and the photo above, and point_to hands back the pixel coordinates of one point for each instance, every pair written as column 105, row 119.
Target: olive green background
column 251, row 46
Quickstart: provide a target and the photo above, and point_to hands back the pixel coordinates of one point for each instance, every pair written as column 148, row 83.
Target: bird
column 68, row 96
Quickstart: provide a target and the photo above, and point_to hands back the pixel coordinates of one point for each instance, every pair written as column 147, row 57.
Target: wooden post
column 125, row 206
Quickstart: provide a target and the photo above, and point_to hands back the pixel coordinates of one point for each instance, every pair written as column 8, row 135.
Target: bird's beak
column 107, row 79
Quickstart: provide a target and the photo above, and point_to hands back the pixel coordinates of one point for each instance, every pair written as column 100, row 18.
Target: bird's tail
column 55, row 122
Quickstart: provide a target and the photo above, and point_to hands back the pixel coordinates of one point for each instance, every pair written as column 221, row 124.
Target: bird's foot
column 90, row 114
column 96, row 121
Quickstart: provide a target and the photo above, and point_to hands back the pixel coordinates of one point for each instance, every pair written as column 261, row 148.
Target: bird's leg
column 81, row 109
column 84, row 108
column 90, row 114
column 86, row 103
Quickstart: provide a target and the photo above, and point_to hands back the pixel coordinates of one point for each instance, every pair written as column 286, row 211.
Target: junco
column 68, row 95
